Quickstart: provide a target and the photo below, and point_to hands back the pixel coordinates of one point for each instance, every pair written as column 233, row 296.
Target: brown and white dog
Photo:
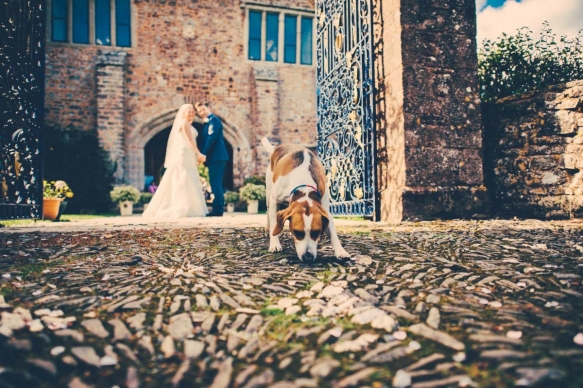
column 296, row 175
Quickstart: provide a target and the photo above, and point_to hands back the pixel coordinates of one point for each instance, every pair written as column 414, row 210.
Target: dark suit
column 213, row 146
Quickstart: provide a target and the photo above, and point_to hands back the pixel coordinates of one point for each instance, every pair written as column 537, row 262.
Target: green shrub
column 231, row 197
column 75, row 156
column 516, row 64
column 256, row 180
column 125, row 193
column 251, row 192
column 146, row 198
column 203, row 172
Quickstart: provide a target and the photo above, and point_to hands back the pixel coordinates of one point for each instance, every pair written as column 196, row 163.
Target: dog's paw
column 341, row 253
column 275, row 246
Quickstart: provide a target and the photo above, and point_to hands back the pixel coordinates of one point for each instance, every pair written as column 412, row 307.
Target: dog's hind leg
column 268, row 184
column 267, row 226
column 274, row 244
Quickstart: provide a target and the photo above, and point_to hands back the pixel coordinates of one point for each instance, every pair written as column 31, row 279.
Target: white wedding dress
column 180, row 193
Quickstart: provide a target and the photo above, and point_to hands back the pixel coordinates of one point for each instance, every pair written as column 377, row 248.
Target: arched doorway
column 240, row 166
column 155, row 153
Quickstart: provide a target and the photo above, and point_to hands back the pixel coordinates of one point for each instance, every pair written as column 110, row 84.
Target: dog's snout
column 308, row 257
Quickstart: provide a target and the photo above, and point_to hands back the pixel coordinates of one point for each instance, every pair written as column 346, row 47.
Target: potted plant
column 231, row 197
column 126, row 196
column 252, row 194
column 63, row 188
column 145, row 199
column 53, row 195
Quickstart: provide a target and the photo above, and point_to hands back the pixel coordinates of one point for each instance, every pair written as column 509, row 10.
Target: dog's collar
column 299, row 187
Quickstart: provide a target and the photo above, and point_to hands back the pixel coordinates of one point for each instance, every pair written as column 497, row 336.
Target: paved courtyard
column 432, row 304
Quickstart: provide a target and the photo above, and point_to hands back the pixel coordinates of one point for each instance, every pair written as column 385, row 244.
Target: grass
column 266, row 312
column 281, row 325
column 324, row 276
column 64, row 218
column 35, row 269
column 350, row 218
column 488, row 378
column 7, row 291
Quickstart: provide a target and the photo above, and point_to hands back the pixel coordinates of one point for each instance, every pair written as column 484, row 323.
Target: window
column 285, row 36
column 271, row 37
column 122, row 23
column 100, row 22
column 306, row 48
column 59, row 26
column 291, row 35
column 81, row 21
column 255, row 35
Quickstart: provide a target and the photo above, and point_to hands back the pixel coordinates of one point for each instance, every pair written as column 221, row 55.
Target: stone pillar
column 110, row 107
column 429, row 137
column 265, row 113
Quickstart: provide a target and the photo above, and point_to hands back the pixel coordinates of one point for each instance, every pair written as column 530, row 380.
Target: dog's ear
column 282, row 216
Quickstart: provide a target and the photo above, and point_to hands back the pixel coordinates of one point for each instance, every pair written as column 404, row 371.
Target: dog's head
column 307, row 221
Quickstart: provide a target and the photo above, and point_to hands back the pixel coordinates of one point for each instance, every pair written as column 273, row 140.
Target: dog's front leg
column 339, row 251
column 274, row 244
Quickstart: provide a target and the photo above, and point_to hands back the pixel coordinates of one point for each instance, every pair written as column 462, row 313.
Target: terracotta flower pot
column 51, row 208
column 61, row 209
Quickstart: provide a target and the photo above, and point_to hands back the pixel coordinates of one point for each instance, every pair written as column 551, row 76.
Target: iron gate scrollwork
column 346, row 138
column 22, row 51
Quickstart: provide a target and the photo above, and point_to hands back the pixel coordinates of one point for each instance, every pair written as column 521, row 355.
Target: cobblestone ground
column 433, row 307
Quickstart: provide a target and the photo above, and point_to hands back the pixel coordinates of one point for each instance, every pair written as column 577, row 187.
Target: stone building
column 124, row 67
column 126, row 73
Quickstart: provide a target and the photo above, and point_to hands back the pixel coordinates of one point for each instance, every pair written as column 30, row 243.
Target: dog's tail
column 267, row 145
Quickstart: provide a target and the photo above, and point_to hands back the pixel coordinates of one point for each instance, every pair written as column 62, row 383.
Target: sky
column 497, row 16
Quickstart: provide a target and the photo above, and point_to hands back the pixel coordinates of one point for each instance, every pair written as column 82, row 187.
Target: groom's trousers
column 216, row 173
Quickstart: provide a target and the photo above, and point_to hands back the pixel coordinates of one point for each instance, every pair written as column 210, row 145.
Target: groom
column 213, row 146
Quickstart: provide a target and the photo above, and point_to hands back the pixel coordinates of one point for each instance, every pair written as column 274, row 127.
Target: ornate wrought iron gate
column 346, row 138
column 22, row 58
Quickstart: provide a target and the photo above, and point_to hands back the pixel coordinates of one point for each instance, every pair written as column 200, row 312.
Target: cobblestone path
column 441, row 307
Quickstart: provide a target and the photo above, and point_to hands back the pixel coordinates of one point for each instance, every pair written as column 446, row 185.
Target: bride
column 180, row 193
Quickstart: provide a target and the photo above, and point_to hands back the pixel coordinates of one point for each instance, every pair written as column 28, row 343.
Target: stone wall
column 71, row 86
column 186, row 51
column 429, row 99
column 534, row 153
column 110, row 108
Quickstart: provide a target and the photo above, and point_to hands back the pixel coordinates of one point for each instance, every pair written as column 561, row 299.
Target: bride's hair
column 181, row 114
column 175, row 141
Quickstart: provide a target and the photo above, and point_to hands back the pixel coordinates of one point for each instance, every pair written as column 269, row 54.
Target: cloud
column 565, row 17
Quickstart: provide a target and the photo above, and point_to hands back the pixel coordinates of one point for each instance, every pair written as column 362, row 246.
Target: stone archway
column 145, row 131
